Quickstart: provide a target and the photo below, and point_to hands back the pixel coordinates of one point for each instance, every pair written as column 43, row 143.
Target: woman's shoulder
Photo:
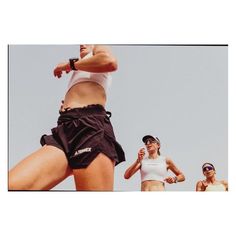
column 167, row 159
column 225, row 183
column 200, row 182
column 201, row 185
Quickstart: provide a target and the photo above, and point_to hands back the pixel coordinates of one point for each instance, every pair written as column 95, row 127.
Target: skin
column 45, row 168
column 210, row 180
column 153, row 185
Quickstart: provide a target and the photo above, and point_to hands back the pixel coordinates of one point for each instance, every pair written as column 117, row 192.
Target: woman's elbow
column 126, row 176
column 112, row 65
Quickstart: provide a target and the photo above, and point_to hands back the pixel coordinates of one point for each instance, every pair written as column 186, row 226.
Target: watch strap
column 72, row 63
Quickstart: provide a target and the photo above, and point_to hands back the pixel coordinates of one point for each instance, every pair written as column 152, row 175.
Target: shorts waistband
column 75, row 113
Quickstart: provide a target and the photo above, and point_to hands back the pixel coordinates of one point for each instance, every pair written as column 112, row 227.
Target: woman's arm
column 101, row 61
column 225, row 183
column 132, row 169
column 201, row 186
column 136, row 166
column 179, row 176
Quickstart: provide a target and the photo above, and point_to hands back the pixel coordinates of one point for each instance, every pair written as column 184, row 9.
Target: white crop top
column 215, row 187
column 103, row 79
column 153, row 169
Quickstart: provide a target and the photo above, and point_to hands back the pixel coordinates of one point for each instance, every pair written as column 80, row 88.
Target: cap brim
column 147, row 137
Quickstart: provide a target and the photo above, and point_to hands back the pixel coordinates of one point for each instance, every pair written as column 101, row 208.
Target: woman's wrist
column 176, row 179
column 67, row 67
column 72, row 63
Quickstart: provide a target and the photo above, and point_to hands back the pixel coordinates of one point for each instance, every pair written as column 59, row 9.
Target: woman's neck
column 211, row 180
column 153, row 155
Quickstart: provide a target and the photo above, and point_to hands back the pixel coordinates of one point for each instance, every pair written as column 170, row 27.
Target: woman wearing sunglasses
column 154, row 167
column 210, row 183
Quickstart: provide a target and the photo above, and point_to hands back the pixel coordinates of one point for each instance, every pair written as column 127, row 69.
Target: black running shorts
column 83, row 133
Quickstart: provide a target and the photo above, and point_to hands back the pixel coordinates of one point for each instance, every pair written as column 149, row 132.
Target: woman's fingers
column 60, row 68
column 169, row 180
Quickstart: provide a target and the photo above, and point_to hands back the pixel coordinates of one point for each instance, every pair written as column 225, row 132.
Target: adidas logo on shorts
column 78, row 152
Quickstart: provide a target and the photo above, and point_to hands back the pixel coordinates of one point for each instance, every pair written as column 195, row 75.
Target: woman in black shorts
column 83, row 142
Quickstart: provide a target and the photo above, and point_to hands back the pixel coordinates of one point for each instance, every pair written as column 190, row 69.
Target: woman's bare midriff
column 84, row 94
column 152, row 185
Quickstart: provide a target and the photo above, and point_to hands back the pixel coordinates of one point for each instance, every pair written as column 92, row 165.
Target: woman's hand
column 60, row 68
column 170, row 180
column 141, row 154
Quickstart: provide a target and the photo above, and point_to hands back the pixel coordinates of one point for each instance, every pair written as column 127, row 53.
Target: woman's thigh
column 98, row 176
column 42, row 170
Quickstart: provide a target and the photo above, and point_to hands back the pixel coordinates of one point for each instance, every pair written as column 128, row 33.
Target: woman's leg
column 42, row 170
column 98, row 176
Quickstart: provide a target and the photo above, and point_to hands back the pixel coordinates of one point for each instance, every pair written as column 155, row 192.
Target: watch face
column 72, row 63
column 74, row 58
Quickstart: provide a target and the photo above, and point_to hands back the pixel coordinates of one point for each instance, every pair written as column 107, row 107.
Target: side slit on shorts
column 83, row 133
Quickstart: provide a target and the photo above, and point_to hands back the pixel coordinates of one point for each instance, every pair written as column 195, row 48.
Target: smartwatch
column 176, row 179
column 72, row 63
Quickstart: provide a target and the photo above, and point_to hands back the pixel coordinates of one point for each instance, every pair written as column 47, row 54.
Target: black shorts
column 83, row 133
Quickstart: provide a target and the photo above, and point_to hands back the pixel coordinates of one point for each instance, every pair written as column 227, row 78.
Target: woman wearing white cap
column 211, row 183
column 154, row 168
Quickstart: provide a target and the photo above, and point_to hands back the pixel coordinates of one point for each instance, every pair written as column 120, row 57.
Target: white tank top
column 153, row 169
column 215, row 187
column 103, row 79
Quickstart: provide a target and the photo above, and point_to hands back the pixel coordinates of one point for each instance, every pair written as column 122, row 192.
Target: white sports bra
column 103, row 79
column 215, row 187
column 153, row 169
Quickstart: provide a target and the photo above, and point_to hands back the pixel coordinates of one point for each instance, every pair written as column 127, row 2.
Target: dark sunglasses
column 207, row 168
column 149, row 141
